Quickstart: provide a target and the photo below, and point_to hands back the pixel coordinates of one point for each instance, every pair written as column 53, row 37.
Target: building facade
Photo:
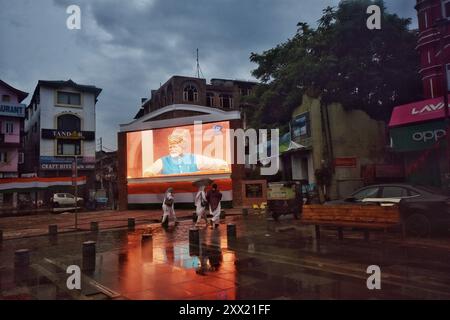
column 12, row 115
column 59, row 129
column 320, row 138
column 418, row 130
column 219, row 93
column 434, row 45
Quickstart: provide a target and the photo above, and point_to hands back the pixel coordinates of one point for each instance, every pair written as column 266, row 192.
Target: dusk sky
column 129, row 47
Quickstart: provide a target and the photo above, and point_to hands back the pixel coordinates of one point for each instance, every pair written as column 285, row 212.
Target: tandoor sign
column 418, row 137
column 72, row 135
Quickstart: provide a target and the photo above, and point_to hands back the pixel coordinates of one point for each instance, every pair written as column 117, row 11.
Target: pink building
column 12, row 115
column 434, row 33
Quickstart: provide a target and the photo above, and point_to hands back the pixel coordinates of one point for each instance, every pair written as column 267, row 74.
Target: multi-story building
column 418, row 129
column 12, row 115
column 59, row 128
column 219, row 93
column 434, row 34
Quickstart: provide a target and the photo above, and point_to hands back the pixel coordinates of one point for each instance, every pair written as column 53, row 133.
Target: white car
column 65, row 200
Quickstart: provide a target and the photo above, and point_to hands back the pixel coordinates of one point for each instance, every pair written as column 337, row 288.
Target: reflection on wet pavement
column 262, row 263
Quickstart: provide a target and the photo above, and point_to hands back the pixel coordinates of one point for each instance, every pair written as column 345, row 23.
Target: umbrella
column 202, row 182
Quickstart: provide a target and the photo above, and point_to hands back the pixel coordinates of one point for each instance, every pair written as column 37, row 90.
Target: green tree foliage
column 340, row 61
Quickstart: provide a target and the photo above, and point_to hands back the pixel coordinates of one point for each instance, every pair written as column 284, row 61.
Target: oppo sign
column 430, row 135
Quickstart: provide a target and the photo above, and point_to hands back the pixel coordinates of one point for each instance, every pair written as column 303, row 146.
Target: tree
column 339, row 61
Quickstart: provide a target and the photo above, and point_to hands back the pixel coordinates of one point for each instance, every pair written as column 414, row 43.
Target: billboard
column 179, row 151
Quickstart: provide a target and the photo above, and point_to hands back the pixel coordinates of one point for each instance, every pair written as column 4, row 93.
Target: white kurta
column 199, row 209
column 168, row 210
column 215, row 214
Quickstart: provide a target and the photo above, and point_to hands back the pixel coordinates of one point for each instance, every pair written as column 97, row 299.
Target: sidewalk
column 27, row 226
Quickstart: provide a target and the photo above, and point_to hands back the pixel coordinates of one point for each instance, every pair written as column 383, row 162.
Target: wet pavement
column 268, row 260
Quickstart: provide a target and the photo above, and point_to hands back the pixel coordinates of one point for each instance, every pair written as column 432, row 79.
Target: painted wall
column 353, row 134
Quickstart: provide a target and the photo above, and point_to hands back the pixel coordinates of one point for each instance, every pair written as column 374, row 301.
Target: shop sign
column 65, row 134
column 347, row 162
column 418, row 137
column 12, row 109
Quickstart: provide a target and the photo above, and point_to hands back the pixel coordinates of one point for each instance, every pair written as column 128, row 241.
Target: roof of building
column 20, row 94
column 70, row 83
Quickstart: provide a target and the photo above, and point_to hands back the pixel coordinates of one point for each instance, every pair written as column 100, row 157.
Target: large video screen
column 186, row 150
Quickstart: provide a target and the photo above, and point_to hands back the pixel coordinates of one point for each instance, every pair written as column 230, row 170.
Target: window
column 190, row 93
column 226, row 101
column 69, row 122
column 3, row 157
column 21, row 158
column 70, row 98
column 394, row 192
column 6, row 98
column 9, row 127
column 446, row 9
column 366, row 193
column 68, row 147
column 245, row 91
column 209, row 99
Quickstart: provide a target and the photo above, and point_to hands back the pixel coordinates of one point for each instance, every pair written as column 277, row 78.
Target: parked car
column 65, row 200
column 423, row 209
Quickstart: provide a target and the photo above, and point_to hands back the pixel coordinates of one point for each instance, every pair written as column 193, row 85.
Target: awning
column 36, row 183
column 419, row 111
column 285, row 145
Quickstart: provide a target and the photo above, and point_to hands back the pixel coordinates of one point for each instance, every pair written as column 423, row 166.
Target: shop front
column 418, row 132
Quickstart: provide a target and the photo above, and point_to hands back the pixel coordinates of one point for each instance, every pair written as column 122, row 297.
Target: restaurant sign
column 12, row 109
column 65, row 134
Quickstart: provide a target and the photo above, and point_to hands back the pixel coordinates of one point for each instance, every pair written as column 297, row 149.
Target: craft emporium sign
column 12, row 110
column 70, row 135
column 65, row 163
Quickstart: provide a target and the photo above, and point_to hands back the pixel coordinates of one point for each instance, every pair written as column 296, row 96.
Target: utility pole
column 75, row 178
column 101, row 163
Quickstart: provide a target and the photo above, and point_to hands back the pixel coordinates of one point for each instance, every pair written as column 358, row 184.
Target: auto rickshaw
column 285, row 197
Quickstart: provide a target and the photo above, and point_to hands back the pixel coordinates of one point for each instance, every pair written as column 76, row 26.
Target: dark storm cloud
column 130, row 47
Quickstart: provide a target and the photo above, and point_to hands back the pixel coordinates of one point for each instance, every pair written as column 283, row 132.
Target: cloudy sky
column 129, row 47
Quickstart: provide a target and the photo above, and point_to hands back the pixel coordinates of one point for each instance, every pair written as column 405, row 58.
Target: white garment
column 215, row 214
column 199, row 209
column 168, row 210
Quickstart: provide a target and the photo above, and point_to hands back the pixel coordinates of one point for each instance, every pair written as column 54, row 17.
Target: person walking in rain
column 200, row 205
column 168, row 208
column 213, row 197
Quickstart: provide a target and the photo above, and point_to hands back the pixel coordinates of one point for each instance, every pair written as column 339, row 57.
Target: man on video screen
column 179, row 162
